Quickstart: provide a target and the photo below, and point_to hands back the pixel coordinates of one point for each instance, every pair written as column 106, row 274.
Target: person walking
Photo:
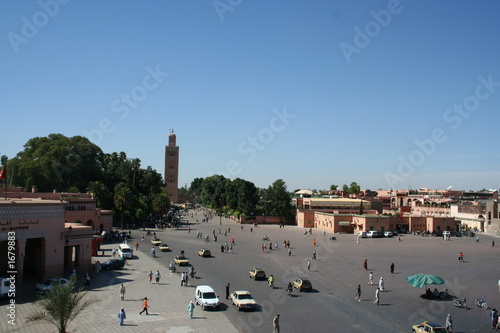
column 276, row 323
column 289, row 252
column 365, row 264
column 157, row 276
column 122, row 292
column 477, row 239
column 314, row 241
column 449, row 323
column 314, row 255
column 381, row 284
column 227, row 291
column 183, row 278
column 271, row 281
column 392, row 268
column 190, row 309
column 136, row 246
column 153, row 252
column 494, row 317
column 309, row 265
column 150, row 276
column 121, row 316
column 377, row 296
column 358, row 293
column 492, row 243
column 370, row 279
column 145, row 306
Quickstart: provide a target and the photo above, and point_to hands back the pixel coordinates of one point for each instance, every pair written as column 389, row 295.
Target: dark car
column 113, row 264
column 456, row 234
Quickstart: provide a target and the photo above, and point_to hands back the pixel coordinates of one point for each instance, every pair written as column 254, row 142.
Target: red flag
column 3, row 173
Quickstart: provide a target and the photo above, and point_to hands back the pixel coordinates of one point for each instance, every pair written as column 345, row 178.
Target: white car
column 206, row 297
column 47, row 285
column 243, row 300
column 387, row 234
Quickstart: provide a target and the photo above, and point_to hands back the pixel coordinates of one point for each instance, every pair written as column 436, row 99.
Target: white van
column 126, row 251
column 206, row 297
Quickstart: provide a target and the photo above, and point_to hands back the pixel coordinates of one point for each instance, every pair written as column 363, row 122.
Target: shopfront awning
column 344, row 223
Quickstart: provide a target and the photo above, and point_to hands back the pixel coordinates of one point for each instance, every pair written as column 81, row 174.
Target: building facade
column 44, row 244
column 172, row 168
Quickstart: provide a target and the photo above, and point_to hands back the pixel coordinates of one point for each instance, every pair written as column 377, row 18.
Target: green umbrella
column 421, row 280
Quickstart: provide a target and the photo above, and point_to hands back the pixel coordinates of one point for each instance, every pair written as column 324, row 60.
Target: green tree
column 57, row 162
column 161, row 203
column 333, row 187
column 354, row 188
column 101, row 194
column 276, row 199
column 61, row 305
column 345, row 188
column 122, row 199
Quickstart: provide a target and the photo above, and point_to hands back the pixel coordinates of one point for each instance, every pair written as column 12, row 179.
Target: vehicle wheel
column 484, row 306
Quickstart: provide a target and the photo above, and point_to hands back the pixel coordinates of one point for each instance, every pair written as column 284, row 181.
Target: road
column 331, row 306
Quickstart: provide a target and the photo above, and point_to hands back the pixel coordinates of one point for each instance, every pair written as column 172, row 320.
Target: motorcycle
column 481, row 303
column 460, row 303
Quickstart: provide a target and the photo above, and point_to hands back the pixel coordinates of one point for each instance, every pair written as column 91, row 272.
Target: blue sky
column 401, row 94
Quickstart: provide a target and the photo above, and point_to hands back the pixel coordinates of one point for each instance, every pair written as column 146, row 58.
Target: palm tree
column 122, row 198
column 61, row 305
column 161, row 203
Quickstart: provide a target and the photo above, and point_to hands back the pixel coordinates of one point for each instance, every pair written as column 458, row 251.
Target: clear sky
column 401, row 94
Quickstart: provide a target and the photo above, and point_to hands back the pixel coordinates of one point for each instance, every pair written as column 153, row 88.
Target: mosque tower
column 172, row 168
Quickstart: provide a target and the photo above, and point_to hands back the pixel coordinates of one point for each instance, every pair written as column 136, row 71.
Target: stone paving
column 167, row 304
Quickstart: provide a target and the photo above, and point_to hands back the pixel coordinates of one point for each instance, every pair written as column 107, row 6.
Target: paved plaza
column 335, row 275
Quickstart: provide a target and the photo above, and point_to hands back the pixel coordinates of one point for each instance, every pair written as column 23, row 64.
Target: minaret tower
column 172, row 168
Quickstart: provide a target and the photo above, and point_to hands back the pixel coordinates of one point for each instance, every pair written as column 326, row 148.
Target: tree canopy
column 77, row 165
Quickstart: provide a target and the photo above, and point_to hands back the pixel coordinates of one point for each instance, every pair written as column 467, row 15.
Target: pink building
column 44, row 245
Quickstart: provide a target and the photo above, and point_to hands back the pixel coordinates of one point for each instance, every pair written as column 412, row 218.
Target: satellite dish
column 449, row 188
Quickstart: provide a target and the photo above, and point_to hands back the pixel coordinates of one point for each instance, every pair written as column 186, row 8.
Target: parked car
column 164, row 247
column 302, row 284
column 468, row 234
column 243, row 300
column 388, row 234
column 181, row 261
column 362, row 234
column 456, row 234
column 427, row 327
column 206, row 297
column 257, row 274
column 48, row 284
column 204, row 253
column 394, row 233
column 112, row 264
column 372, row 234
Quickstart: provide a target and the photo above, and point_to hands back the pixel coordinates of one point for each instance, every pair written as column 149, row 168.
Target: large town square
column 330, row 306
